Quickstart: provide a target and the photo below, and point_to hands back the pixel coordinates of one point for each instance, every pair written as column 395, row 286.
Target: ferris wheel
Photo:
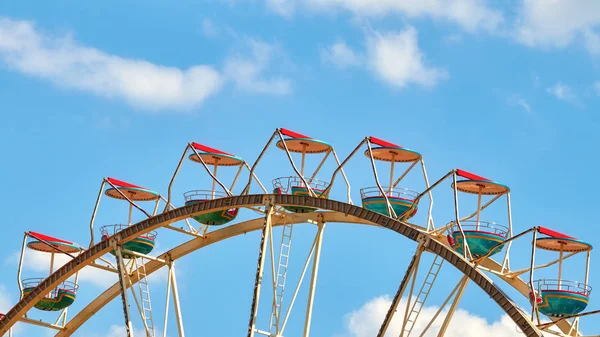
column 477, row 247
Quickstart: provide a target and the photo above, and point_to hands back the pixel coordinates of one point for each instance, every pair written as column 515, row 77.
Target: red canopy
column 207, row 149
column 469, row 175
column 47, row 238
column 293, row 134
column 382, row 142
column 123, row 183
column 554, row 234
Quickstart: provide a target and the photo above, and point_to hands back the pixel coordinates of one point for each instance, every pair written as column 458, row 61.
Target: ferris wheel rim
column 181, row 213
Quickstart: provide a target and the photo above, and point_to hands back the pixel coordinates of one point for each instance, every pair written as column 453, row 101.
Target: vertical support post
column 412, row 269
column 463, row 285
column 20, row 270
column 587, row 269
column 214, row 183
column 390, row 188
column 176, row 301
column 560, row 265
column 303, row 160
column 170, row 266
column 260, row 270
column 466, row 250
column 479, row 206
column 94, row 213
column 51, row 263
column 506, row 261
column 130, row 215
column 121, row 271
column 313, row 280
column 531, row 268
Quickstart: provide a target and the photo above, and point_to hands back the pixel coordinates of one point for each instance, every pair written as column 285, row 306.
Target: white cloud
column 5, row 301
column 396, row 58
column 70, row 64
column 564, row 93
column 209, row 28
column 558, row 23
column 520, row 102
column 67, row 63
column 365, row 322
column 247, row 72
column 471, row 15
column 340, row 55
column 282, row 7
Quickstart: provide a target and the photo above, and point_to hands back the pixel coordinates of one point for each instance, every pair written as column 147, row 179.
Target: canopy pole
column 392, row 173
column 51, row 263
column 214, row 183
column 130, row 214
column 587, row 269
column 560, row 265
column 303, row 159
column 479, row 206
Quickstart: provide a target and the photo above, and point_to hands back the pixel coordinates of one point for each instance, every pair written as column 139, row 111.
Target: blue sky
column 117, row 89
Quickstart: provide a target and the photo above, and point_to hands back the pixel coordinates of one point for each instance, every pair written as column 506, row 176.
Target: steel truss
column 335, row 211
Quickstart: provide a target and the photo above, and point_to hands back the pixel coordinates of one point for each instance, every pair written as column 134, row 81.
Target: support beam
column 40, row 323
column 407, row 310
column 122, row 270
column 169, row 279
column 453, row 306
column 176, row 301
column 260, row 270
column 458, row 285
column 313, row 280
column 291, row 305
column 412, row 267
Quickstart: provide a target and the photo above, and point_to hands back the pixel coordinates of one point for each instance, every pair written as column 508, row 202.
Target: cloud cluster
column 246, row 72
column 341, row 55
column 365, row 322
column 558, row 23
column 394, row 57
column 538, row 23
column 143, row 84
column 471, row 15
column 5, row 301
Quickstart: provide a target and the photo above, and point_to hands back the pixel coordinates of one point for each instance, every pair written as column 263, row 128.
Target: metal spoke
column 410, row 271
column 260, row 270
column 121, row 269
column 461, row 289
column 313, row 281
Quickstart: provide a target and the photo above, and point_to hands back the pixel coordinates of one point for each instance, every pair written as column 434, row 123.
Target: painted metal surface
column 339, row 208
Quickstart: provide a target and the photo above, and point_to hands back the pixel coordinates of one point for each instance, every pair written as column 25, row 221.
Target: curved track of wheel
column 338, row 212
